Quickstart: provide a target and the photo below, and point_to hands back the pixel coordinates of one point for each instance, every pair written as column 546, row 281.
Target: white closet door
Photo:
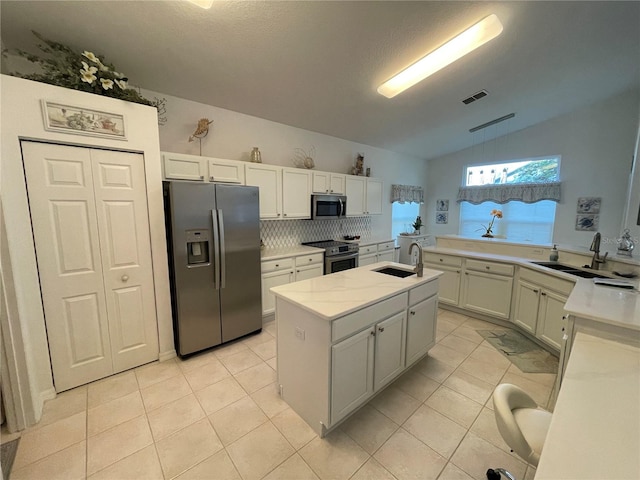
column 63, row 214
column 123, row 225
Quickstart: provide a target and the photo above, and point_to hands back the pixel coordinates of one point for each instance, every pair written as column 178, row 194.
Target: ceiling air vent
column 475, row 96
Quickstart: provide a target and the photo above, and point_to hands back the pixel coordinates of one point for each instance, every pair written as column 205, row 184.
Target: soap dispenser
column 553, row 256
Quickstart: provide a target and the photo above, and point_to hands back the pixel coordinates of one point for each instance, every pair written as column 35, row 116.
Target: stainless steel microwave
column 328, row 206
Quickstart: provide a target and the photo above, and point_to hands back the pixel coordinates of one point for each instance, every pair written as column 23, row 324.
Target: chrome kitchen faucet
column 419, row 265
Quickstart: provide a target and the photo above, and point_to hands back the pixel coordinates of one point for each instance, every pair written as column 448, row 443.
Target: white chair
column 521, row 423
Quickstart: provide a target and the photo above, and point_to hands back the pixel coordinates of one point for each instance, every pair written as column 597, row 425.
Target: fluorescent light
column 486, row 29
column 202, row 3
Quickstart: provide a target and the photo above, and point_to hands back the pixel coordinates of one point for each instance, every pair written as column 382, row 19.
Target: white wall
column 232, row 135
column 596, row 144
column 22, row 119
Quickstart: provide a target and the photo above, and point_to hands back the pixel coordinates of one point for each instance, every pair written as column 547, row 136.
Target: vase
column 487, row 235
column 256, row 157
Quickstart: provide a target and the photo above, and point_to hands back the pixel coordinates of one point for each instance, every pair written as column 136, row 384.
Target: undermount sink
column 570, row 270
column 396, row 272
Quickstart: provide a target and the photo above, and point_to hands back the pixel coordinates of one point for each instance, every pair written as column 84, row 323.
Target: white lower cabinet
column 369, row 259
column 451, row 266
column 376, row 252
column 287, row 270
column 421, row 329
column 327, row 369
column 539, row 305
column 487, row 288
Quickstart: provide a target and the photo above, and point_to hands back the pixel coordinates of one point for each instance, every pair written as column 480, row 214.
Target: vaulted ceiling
column 316, row 64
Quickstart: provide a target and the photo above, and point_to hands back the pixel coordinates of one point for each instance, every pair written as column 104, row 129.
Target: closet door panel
column 123, row 223
column 63, row 215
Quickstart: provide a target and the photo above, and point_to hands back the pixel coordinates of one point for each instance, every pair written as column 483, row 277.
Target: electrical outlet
column 299, row 333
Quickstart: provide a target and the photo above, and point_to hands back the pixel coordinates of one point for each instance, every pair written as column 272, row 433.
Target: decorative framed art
column 589, row 205
column 587, row 222
column 442, row 217
column 82, row 121
column 442, row 205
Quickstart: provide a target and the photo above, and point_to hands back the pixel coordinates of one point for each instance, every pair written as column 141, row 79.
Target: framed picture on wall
column 589, row 205
column 82, row 121
column 587, row 223
column 442, row 205
column 442, row 217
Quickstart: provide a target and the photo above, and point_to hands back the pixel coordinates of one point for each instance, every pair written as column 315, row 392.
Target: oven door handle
column 342, row 212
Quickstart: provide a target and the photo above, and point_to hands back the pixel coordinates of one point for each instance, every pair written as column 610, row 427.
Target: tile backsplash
column 288, row 233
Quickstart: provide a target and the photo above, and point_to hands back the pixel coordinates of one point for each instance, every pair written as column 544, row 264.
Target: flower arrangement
column 82, row 71
column 417, row 225
column 489, row 228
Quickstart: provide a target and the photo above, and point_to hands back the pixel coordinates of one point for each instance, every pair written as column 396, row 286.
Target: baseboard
column 167, row 355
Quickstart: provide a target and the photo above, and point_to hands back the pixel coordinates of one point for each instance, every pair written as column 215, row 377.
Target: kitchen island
column 342, row 338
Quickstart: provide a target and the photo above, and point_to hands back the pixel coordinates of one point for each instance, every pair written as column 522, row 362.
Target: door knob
column 124, row 278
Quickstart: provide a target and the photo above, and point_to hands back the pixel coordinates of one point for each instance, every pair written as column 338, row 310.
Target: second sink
column 396, row 272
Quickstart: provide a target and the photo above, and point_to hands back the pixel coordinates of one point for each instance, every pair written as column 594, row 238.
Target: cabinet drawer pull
column 201, row 177
column 488, row 267
column 563, row 329
column 297, row 271
column 277, row 264
column 381, row 329
column 311, row 259
column 125, row 278
column 211, row 178
column 441, row 260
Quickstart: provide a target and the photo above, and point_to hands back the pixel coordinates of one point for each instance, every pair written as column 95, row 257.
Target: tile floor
column 218, row 416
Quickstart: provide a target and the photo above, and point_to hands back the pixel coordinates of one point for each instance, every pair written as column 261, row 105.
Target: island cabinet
column 487, row 288
column 328, row 368
column 539, row 305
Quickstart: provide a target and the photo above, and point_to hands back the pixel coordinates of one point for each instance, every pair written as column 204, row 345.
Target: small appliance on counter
column 213, row 238
column 338, row 256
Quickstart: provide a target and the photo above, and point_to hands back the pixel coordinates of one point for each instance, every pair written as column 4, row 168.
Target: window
column 402, row 217
column 523, row 222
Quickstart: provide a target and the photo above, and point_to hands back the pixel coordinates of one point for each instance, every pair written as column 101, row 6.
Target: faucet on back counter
column 595, row 247
column 419, row 265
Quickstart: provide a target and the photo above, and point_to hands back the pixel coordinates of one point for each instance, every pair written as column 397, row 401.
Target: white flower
column 106, row 83
column 102, row 66
column 91, row 56
column 122, row 84
column 87, row 73
column 88, row 69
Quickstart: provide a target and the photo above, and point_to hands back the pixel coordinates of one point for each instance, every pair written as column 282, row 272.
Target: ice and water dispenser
column 197, row 247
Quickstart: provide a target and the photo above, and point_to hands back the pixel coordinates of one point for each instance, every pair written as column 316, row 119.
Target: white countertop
column 369, row 241
column 595, row 428
column 335, row 295
column 616, row 306
column 274, row 253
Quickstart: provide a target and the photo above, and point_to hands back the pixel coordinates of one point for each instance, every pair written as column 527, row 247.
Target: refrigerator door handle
column 223, row 262
column 216, row 250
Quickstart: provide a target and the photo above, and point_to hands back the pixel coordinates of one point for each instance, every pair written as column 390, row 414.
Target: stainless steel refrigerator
column 213, row 237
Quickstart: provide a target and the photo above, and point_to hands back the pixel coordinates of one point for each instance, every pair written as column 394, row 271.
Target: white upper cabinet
column 374, row 196
column 328, row 183
column 183, row 167
column 296, row 193
column 364, row 195
column 356, row 199
column 269, row 180
column 226, row 171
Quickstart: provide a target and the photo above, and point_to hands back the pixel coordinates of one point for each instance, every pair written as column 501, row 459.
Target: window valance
column 524, row 192
column 407, row 193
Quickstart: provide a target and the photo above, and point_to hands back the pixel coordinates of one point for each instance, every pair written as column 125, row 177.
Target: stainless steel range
column 338, row 256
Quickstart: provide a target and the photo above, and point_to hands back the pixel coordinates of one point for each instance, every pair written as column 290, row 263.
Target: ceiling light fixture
column 486, row 29
column 206, row 4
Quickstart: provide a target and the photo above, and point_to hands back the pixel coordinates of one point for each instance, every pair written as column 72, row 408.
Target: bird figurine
column 202, row 130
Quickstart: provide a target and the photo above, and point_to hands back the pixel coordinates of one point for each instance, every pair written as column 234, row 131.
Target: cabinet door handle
column 201, row 177
column 211, row 178
column 124, row 278
column 284, row 214
column 488, row 267
column 441, row 260
column 311, row 259
column 277, row 264
column 536, row 291
column 466, row 273
column 543, row 294
column 381, row 329
column 373, row 332
column 297, row 271
column 457, row 271
column 412, row 312
column 563, row 329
